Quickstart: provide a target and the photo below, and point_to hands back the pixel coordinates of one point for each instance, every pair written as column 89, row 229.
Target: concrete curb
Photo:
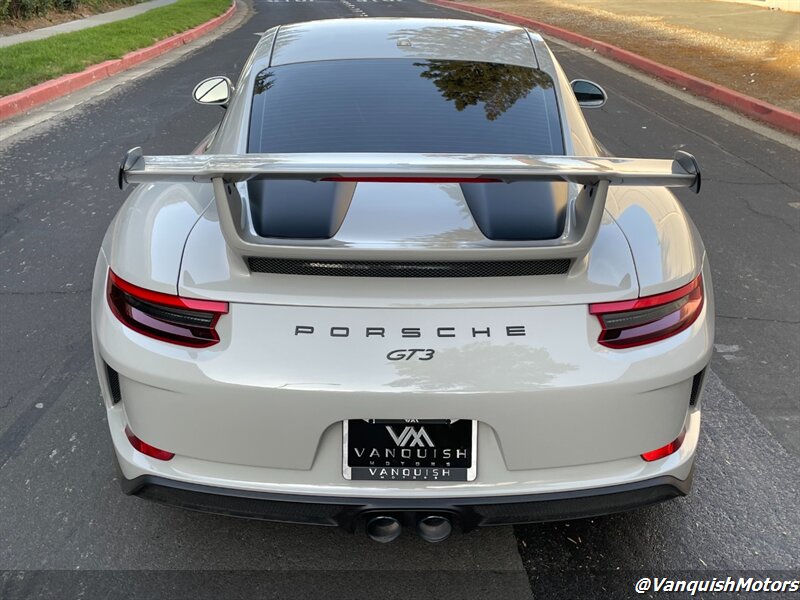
column 747, row 105
column 61, row 86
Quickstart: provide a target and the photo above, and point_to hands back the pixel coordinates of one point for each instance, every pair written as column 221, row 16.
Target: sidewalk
column 749, row 49
column 726, row 19
column 790, row 5
column 77, row 24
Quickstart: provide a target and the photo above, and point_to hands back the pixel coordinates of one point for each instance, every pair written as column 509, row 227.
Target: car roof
column 443, row 39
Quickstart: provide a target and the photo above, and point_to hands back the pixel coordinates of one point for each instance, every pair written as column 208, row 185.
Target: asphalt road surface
column 67, row 531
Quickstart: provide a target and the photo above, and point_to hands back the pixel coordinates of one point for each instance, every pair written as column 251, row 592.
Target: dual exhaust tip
column 432, row 528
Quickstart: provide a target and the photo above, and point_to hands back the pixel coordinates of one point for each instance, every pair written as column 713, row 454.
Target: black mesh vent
column 495, row 268
column 113, row 384
column 697, row 385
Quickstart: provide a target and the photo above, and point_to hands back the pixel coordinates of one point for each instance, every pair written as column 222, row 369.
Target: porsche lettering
column 344, row 331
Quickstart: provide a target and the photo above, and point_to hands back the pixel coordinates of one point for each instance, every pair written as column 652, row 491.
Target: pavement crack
column 761, row 319
column 11, row 219
column 16, row 433
column 707, row 138
column 750, row 183
column 759, row 213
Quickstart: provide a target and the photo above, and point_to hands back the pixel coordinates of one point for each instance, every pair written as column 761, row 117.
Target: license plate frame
column 407, row 435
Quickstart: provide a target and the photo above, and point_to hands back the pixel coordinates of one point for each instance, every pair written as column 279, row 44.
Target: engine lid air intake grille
column 484, row 268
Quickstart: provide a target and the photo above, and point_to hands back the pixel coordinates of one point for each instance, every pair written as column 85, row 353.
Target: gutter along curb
column 44, row 92
column 747, row 105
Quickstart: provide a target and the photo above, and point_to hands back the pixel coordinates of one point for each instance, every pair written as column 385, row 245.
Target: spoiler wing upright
column 593, row 174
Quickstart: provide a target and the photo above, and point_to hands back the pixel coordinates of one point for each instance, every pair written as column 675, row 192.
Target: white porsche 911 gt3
column 401, row 285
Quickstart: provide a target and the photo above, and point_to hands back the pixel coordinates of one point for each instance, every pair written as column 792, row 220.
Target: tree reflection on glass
column 496, row 86
column 474, row 367
column 264, row 81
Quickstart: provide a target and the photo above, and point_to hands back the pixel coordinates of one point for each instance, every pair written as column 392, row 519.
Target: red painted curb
column 752, row 107
column 66, row 84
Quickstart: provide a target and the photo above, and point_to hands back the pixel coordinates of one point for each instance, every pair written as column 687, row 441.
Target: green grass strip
column 24, row 65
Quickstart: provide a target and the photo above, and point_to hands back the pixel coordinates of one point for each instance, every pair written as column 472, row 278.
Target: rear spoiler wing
column 594, row 174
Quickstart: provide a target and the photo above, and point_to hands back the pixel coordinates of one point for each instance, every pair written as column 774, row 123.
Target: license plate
column 410, row 450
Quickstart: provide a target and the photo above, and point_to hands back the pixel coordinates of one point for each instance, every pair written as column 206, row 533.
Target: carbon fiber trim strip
column 327, row 268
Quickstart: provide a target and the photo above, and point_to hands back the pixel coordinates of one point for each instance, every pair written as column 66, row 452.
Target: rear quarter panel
column 665, row 245
column 145, row 241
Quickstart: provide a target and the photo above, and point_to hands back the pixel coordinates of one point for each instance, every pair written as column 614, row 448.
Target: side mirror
column 214, row 90
column 588, row 93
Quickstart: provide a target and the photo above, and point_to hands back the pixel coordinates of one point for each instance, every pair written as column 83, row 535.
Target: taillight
column 184, row 321
column 670, row 448
column 146, row 448
column 651, row 318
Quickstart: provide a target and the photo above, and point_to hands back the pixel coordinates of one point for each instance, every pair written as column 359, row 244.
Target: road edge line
column 751, row 107
column 42, row 93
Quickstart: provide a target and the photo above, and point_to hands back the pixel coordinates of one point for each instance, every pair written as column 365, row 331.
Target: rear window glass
column 403, row 105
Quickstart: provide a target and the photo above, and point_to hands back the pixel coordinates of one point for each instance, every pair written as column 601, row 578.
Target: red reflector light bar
column 649, row 319
column 670, row 448
column 414, row 179
column 146, row 448
column 184, row 321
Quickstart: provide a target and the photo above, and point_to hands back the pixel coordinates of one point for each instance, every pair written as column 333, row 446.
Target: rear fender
column 144, row 243
column 666, row 248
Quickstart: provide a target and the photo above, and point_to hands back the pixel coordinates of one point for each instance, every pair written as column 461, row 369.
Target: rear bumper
column 467, row 512
column 257, row 422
